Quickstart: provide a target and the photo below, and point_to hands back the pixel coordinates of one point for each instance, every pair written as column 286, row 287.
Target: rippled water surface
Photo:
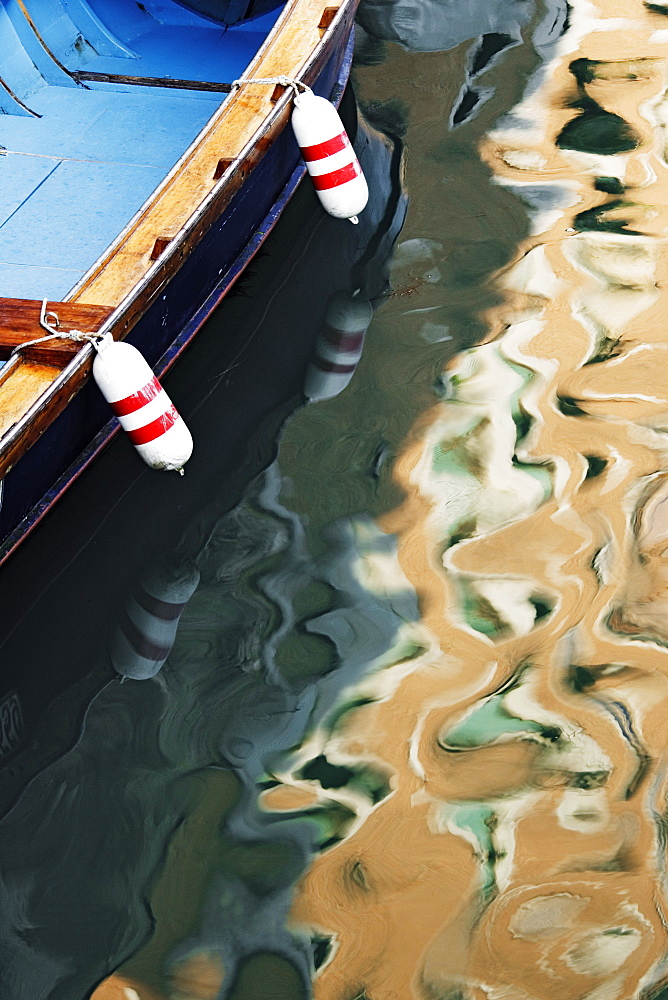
column 409, row 741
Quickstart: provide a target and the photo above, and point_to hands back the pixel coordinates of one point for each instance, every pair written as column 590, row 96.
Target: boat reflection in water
column 144, row 637
column 432, row 25
column 340, row 345
column 199, row 668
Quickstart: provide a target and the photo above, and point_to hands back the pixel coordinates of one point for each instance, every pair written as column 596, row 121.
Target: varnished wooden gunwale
column 45, row 409
column 27, row 380
column 297, row 47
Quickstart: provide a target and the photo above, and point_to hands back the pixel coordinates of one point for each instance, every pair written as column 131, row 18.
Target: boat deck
column 98, row 100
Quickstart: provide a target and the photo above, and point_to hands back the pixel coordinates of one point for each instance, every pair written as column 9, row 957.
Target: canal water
column 372, row 705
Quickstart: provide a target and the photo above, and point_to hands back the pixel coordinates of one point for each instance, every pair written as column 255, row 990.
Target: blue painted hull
column 84, row 428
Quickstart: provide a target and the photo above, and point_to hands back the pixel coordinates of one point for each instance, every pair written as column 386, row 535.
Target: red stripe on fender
column 344, row 341
column 165, row 610
column 136, row 400
column 335, row 177
column 142, row 644
column 333, row 367
column 322, row 149
column 149, row 432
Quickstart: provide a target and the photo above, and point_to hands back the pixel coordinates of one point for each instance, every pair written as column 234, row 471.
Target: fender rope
column 55, row 334
column 284, row 81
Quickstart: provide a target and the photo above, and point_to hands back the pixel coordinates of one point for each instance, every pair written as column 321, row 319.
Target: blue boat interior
column 98, row 100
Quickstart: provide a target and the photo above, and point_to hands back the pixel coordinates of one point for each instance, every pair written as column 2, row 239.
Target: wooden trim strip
column 328, row 15
column 139, row 298
column 152, row 81
column 223, row 164
column 159, row 247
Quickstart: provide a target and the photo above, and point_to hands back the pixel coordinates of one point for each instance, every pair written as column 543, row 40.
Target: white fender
column 330, row 160
column 339, row 346
column 144, row 637
column 145, row 411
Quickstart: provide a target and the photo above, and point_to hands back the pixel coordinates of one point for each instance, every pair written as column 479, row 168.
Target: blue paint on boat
column 18, row 72
column 22, row 278
column 76, row 238
column 88, row 26
column 188, row 48
column 19, row 178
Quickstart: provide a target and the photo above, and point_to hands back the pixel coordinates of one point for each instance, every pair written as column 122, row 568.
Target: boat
column 138, row 180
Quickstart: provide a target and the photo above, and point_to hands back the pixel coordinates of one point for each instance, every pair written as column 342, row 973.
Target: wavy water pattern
column 521, row 852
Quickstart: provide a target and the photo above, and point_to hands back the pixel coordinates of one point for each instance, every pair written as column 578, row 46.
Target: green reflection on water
column 266, row 976
column 487, row 723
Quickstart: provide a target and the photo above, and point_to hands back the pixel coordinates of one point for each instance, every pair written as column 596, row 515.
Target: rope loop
column 49, row 321
column 283, row 81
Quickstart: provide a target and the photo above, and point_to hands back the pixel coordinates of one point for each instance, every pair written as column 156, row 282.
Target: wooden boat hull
column 175, row 298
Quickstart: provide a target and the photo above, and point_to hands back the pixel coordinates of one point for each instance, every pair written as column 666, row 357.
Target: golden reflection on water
column 520, row 853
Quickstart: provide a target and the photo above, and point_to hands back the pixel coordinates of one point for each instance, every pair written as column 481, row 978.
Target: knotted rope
column 56, row 334
column 283, row 81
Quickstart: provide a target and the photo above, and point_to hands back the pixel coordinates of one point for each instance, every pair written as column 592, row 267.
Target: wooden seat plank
column 19, row 323
column 82, row 75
